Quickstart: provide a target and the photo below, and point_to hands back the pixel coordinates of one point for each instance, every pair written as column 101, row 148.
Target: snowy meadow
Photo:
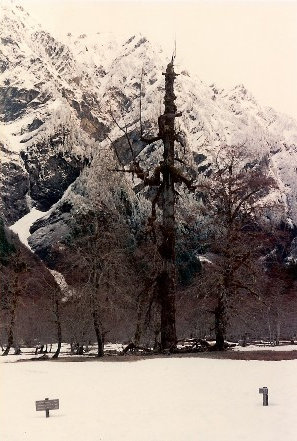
column 161, row 399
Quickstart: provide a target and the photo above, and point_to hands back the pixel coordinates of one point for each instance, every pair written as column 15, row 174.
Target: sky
column 227, row 43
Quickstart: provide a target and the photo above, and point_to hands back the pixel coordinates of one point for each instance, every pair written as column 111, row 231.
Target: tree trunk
column 156, row 346
column 72, row 347
column 59, row 330
column 220, row 324
column 278, row 329
column 138, row 330
column 97, row 327
column 99, row 336
column 166, row 280
column 10, row 339
column 58, row 323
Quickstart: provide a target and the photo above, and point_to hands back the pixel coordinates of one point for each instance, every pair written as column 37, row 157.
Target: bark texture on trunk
column 220, row 324
column 165, row 198
column 166, row 280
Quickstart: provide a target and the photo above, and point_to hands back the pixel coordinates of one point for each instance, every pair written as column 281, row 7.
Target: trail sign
column 264, row 391
column 47, row 405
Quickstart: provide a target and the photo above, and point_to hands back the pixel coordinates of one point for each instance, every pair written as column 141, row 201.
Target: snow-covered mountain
column 61, row 104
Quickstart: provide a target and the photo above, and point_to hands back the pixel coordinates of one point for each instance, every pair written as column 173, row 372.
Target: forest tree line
column 206, row 260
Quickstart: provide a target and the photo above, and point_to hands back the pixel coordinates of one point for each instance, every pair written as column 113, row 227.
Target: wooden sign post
column 47, row 405
column 264, row 391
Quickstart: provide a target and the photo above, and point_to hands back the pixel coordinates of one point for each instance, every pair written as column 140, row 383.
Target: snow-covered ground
column 266, row 347
column 166, row 399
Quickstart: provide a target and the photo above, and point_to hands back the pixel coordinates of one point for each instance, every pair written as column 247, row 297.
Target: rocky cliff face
column 62, row 105
column 46, row 126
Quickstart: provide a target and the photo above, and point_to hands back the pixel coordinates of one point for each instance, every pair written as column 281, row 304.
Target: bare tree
column 103, row 281
column 13, row 290
column 164, row 179
column 234, row 205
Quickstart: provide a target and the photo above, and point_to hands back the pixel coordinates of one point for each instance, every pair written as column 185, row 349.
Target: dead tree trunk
column 166, row 280
column 165, row 198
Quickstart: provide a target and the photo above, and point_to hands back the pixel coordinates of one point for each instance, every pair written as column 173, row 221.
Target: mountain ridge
column 63, row 103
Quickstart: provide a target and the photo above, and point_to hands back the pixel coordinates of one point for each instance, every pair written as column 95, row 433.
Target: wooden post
column 264, row 391
column 46, row 410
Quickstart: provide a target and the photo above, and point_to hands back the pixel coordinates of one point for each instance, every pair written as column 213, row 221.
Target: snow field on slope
column 23, row 225
column 150, row 400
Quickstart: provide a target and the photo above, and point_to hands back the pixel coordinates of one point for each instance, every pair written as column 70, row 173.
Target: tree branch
column 125, row 131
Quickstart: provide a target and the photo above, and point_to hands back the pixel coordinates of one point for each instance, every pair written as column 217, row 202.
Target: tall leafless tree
column 14, row 289
column 235, row 205
column 164, row 178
